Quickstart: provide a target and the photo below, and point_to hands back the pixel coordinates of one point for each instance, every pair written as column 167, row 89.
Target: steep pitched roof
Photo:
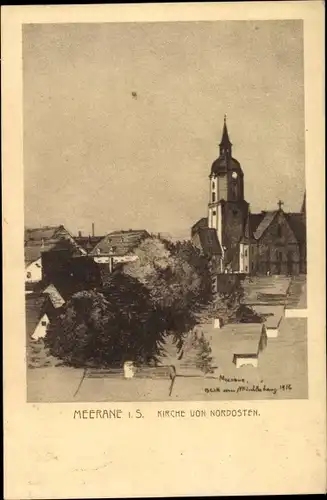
column 120, row 242
column 209, row 241
column 43, row 239
column 297, row 222
column 253, row 222
column 200, row 223
column 264, row 223
column 54, row 296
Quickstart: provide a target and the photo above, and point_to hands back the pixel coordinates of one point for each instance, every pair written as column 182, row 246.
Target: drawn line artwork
column 158, row 267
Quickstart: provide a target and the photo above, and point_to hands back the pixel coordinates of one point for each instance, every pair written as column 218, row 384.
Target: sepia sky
column 93, row 152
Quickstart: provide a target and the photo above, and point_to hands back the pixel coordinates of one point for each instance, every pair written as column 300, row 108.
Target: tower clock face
column 234, row 175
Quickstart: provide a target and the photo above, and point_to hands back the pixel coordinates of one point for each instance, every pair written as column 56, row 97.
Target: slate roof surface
column 209, row 241
column 120, row 242
column 264, row 224
column 222, row 164
column 43, row 239
column 200, row 223
column 297, row 222
column 88, row 242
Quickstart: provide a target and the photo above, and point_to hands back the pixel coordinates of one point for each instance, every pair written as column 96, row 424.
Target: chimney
column 92, row 228
column 79, row 234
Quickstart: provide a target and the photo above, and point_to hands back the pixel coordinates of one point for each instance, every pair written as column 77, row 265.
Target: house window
column 43, row 323
column 213, row 197
column 245, row 253
column 246, row 269
column 214, row 212
column 28, row 275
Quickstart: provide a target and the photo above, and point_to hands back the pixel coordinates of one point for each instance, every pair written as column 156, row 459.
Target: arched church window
column 214, row 212
column 213, row 185
column 279, row 231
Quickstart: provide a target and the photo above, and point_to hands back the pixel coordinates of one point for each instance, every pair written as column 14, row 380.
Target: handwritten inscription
column 238, row 385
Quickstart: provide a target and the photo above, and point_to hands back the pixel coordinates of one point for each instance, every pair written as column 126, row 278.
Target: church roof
column 200, row 223
column 264, row 224
column 225, row 141
column 222, row 164
column 209, row 241
column 258, row 223
column 297, row 222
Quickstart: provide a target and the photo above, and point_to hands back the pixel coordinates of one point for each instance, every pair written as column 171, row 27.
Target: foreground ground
column 281, row 374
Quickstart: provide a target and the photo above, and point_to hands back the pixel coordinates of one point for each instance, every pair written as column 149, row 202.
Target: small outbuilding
column 272, row 316
column 246, row 342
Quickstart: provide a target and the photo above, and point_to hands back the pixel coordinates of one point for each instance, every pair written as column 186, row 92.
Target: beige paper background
column 50, row 455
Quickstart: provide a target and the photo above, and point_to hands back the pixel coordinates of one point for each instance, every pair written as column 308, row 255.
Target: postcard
column 163, row 223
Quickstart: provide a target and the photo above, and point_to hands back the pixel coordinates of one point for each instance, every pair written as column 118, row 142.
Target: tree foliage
column 100, row 328
column 177, row 278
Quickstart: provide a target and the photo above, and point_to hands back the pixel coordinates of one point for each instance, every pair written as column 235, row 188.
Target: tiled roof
column 47, row 238
column 264, row 223
column 120, row 242
column 54, row 296
column 297, row 222
column 88, row 242
column 200, row 223
column 209, row 241
column 253, row 222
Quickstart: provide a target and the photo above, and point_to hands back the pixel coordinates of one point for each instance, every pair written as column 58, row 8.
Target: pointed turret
column 225, row 145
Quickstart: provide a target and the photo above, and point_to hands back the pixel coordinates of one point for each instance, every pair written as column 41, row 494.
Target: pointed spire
column 225, row 145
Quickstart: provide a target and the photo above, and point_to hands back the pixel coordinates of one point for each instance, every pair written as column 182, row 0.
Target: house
column 206, row 240
column 270, row 242
column 87, row 242
column 273, row 316
column 117, row 247
column 245, row 342
column 38, row 315
column 40, row 240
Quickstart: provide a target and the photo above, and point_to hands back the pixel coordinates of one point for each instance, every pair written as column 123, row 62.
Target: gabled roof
column 43, row 239
column 267, row 219
column 209, row 241
column 88, row 242
column 120, row 242
column 56, row 299
column 253, row 222
column 243, row 338
column 297, row 222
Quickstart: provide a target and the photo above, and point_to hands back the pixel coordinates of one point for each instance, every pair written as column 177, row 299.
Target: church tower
column 227, row 209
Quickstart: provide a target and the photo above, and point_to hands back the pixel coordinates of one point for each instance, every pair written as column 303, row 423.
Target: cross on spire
column 280, row 203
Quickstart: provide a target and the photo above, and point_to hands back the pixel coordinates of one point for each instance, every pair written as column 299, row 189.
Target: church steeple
column 225, row 145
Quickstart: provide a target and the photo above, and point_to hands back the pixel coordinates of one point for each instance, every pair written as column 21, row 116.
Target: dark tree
column 107, row 327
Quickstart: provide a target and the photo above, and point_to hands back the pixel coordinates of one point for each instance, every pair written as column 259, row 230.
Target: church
column 238, row 241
